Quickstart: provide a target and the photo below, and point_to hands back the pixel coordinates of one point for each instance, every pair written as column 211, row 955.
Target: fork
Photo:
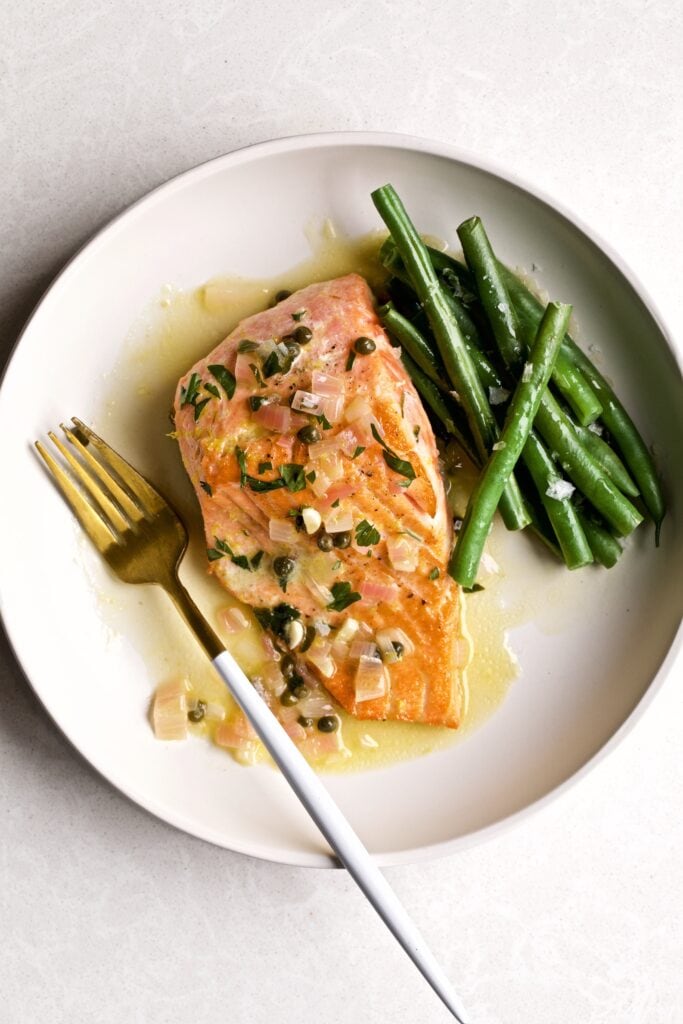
column 143, row 540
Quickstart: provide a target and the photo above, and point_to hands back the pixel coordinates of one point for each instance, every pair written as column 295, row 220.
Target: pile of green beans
column 566, row 458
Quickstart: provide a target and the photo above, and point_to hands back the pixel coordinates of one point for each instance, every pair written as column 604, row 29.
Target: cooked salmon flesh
column 317, row 474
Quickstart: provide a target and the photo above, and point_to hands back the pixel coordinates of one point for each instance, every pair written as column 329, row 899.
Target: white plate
column 244, row 213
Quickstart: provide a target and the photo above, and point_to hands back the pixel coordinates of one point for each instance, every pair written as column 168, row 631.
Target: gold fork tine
column 133, row 511
column 99, row 532
column 139, row 487
column 106, row 505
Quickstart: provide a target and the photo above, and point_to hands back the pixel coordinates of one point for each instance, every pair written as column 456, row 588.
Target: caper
column 283, row 566
column 288, row 666
column 303, row 335
column 325, row 542
column 288, row 699
column 306, row 722
column 293, row 349
column 399, row 648
column 342, row 539
column 282, row 295
column 301, row 692
column 196, row 713
column 309, row 637
column 294, row 681
column 328, row 723
column 309, row 434
column 364, row 346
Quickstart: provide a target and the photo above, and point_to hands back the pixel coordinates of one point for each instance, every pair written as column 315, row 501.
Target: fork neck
column 193, row 617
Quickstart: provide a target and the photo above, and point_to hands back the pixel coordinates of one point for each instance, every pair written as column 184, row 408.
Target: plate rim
column 453, row 153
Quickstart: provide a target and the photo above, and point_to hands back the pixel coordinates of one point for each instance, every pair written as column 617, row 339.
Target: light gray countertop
column 110, row 916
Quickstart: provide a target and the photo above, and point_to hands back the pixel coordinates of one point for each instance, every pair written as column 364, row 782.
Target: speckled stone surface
column 109, row 916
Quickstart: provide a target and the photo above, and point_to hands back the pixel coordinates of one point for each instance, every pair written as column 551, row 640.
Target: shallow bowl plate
column 582, row 680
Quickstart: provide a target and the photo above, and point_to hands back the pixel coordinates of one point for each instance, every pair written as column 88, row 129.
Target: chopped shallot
column 394, row 634
column 358, row 407
column 403, row 551
column 244, row 375
column 362, row 649
column 274, row 417
column 333, row 408
column 306, row 401
column 319, row 654
column 326, row 385
column 347, row 630
column 283, row 531
column 236, row 732
column 233, row 620
column 338, row 520
column 169, row 710
column 373, row 592
column 371, row 680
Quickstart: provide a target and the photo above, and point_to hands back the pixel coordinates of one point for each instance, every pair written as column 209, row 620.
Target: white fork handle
column 336, row 829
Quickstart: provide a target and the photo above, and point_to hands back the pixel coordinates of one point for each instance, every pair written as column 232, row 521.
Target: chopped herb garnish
column 282, row 580
column 277, row 618
column 311, row 477
column 262, row 486
column 223, row 548
column 359, row 451
column 213, row 390
column 247, row 346
column 206, row 487
column 256, row 401
column 257, row 374
column 299, row 315
column 393, row 461
column 335, row 504
column 343, row 596
column 199, row 408
column 256, row 559
column 434, row 573
column 337, row 565
column 415, row 536
column 473, row 589
column 263, row 467
column 293, row 476
column 416, row 431
column 271, row 365
column 241, row 457
column 324, row 422
column 225, row 378
column 350, row 360
column 366, row 534
column 189, row 395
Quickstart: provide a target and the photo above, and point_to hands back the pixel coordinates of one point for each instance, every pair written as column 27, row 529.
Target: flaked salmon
column 317, row 473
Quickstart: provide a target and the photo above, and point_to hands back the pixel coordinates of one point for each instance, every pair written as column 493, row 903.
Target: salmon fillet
column 382, row 616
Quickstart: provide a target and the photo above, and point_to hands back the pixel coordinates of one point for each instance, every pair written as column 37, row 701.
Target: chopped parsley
column 293, row 476
column 324, row 422
column 277, row 618
column 393, row 461
column 342, row 596
column 434, row 573
column 223, row 548
column 224, row 377
column 263, row 467
column 257, row 374
column 473, row 589
column 335, row 504
column 190, row 394
column 359, row 451
column 256, row 559
column 366, row 534
column 351, row 359
column 271, row 365
column 206, row 487
column 311, row 477
column 213, row 390
column 262, row 486
column 299, row 315
column 241, row 457
column 199, row 408
column 247, row 346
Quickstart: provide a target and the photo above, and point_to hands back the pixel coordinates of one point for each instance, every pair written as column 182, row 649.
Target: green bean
column 624, row 433
column 413, row 342
column 450, row 341
column 608, row 460
column 561, row 513
column 557, row 430
column 493, row 294
column 525, row 401
column 569, row 379
column 606, row 548
column 440, row 406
